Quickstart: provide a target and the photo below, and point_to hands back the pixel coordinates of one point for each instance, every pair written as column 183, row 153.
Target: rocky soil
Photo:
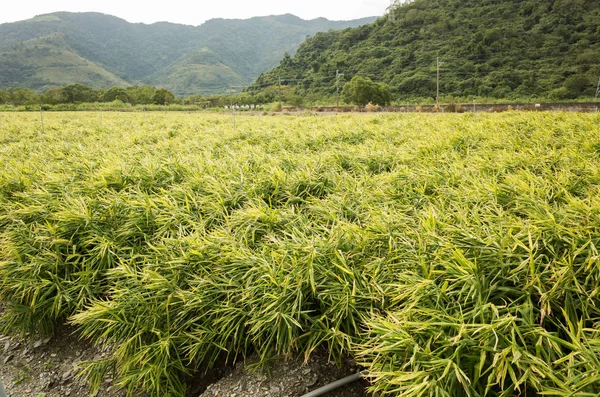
column 291, row 378
column 47, row 368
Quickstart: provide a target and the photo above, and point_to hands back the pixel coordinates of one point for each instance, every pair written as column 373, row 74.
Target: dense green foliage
column 450, row 257
column 102, row 51
column 488, row 48
column 81, row 94
column 363, row 90
column 163, row 97
column 81, row 97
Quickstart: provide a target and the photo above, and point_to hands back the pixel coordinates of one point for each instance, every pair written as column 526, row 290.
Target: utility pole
column 280, row 87
column 437, row 97
column 337, row 88
column 338, row 75
column 597, row 94
column 233, row 109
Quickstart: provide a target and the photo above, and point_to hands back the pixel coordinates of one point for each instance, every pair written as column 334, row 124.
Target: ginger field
column 448, row 256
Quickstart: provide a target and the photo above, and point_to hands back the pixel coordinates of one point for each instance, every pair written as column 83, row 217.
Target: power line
column 442, row 67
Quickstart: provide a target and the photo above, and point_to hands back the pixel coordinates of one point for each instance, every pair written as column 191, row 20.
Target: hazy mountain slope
column 201, row 71
column 235, row 52
column 156, row 54
column 498, row 48
column 48, row 61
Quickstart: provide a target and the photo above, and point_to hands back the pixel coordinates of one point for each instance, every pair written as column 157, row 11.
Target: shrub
column 363, row 90
column 370, row 107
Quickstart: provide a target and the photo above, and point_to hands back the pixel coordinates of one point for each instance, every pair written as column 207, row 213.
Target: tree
column 3, row 97
column 576, row 85
column 54, row 96
column 417, row 84
column 363, row 90
column 163, row 96
column 116, row 93
column 195, row 99
column 142, row 95
column 21, row 96
column 79, row 93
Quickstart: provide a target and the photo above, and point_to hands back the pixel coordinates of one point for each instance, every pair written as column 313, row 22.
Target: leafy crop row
column 449, row 257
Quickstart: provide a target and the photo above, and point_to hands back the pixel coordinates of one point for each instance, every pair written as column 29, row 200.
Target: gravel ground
column 47, row 368
column 292, row 378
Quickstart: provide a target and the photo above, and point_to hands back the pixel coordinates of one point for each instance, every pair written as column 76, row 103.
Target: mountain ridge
column 139, row 53
column 486, row 48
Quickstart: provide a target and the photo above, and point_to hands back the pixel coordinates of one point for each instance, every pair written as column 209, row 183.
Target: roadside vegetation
column 354, row 95
column 449, row 257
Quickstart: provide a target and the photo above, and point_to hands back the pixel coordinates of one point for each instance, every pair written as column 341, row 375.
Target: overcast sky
column 195, row 13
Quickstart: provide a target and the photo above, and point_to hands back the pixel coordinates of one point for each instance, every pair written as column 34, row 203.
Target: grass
column 23, row 375
column 449, row 257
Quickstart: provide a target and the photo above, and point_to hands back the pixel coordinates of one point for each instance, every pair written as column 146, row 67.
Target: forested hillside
column 489, row 48
column 36, row 62
column 102, row 51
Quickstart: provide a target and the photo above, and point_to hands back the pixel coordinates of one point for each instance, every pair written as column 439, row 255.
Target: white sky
column 196, row 12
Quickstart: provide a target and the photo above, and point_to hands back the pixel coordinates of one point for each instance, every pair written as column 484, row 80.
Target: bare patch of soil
column 48, row 368
column 292, row 378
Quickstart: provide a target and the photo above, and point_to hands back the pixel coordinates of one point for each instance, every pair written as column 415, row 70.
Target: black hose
column 334, row 385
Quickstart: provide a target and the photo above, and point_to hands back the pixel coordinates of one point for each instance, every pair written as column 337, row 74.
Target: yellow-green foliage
column 449, row 257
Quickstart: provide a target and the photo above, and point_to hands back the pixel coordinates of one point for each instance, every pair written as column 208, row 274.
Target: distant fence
column 584, row 107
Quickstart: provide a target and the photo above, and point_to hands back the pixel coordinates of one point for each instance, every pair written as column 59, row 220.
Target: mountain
column 487, row 48
column 102, row 51
column 33, row 62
